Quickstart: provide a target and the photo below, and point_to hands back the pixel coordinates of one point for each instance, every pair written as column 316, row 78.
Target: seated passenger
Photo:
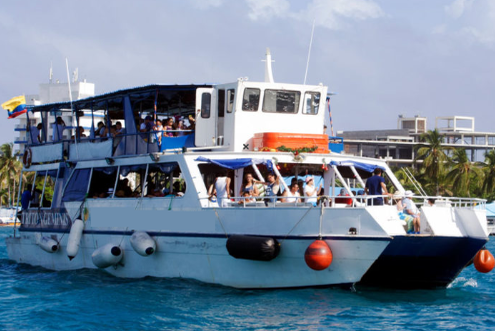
column 249, row 186
column 347, row 201
column 292, row 194
column 411, row 209
column 246, row 198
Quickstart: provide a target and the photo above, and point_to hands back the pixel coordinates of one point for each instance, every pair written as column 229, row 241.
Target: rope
column 221, row 224
column 307, row 211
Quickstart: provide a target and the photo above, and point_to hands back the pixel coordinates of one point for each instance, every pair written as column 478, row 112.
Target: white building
column 54, row 92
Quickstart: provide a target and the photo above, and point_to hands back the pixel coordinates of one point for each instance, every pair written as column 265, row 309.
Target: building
column 397, row 146
column 54, row 92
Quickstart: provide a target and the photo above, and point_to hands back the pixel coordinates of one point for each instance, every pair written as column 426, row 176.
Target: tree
column 462, row 172
column 10, row 169
column 488, row 168
column 433, row 155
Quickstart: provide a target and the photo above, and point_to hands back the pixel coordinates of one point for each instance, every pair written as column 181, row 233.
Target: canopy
column 235, row 164
column 490, row 209
column 358, row 165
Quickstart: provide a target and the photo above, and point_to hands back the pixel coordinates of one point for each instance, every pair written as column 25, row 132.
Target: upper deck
column 224, row 116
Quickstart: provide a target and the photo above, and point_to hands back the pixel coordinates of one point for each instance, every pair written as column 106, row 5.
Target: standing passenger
column 375, row 185
column 222, row 188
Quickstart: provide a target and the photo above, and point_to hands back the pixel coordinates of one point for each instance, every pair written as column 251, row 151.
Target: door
column 206, row 117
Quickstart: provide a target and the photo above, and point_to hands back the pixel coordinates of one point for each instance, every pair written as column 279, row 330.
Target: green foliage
column 298, row 150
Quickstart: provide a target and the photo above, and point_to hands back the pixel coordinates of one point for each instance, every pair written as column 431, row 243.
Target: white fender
column 107, row 256
column 142, row 243
column 74, row 238
column 48, row 244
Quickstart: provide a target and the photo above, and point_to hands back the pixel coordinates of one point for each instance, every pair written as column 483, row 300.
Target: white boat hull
column 206, row 259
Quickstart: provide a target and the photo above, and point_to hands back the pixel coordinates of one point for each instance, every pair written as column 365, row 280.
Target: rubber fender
column 253, row 248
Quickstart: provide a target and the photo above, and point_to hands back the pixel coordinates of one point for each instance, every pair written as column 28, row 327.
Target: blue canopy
column 490, row 209
column 235, row 164
column 358, row 165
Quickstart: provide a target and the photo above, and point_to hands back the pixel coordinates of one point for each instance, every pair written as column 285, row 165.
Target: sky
column 381, row 58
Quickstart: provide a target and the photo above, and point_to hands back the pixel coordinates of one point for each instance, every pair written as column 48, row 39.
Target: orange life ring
column 27, row 157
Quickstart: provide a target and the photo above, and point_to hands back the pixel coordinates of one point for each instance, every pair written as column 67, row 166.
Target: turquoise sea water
column 33, row 298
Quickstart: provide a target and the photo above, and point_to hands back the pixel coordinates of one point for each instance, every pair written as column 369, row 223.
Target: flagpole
column 71, row 108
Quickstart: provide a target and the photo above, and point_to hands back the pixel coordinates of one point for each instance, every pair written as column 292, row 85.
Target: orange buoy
column 318, row 255
column 484, row 261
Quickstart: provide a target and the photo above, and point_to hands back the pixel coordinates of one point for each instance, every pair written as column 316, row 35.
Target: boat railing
column 326, row 201
column 83, row 148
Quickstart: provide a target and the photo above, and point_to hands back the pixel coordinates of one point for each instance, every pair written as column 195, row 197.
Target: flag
column 15, row 106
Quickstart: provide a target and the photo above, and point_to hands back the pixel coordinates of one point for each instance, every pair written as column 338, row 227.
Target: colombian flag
column 15, row 106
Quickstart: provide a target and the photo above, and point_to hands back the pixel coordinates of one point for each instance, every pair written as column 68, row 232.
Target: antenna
column 309, row 52
column 51, row 71
column 72, row 108
column 268, row 67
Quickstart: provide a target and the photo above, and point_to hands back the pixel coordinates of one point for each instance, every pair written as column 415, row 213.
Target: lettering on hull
column 39, row 219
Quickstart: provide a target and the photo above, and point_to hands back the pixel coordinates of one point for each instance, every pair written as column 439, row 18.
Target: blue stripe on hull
column 422, row 261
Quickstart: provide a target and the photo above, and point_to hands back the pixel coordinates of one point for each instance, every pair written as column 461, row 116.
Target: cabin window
column 102, row 182
column 230, row 100
column 221, row 103
column 277, row 101
column 205, row 105
column 77, row 186
column 131, row 181
column 251, row 99
column 311, row 103
column 164, row 179
column 43, row 189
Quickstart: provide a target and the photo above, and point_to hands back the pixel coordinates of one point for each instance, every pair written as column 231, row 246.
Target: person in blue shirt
column 26, row 197
column 375, row 185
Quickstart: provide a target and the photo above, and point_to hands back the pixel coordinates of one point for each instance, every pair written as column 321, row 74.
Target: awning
column 235, row 164
column 358, row 165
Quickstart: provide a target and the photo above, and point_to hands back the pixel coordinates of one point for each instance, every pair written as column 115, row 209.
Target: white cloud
column 330, row 14
column 266, row 9
column 334, row 14
column 457, row 8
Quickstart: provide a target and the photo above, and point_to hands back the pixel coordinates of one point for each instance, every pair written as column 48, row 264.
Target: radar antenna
column 268, row 67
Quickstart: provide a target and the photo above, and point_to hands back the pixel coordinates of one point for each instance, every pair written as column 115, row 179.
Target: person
column 249, row 186
column 347, row 201
column 146, row 127
column 180, row 127
column 158, row 132
column 410, row 221
column 375, row 185
column 36, row 134
column 431, row 202
column 100, row 128
column 246, row 198
column 310, row 191
column 26, row 197
column 36, row 197
column 192, row 122
column 58, row 129
column 292, row 194
column 411, row 209
column 221, row 187
column 169, row 128
column 272, row 187
column 324, row 129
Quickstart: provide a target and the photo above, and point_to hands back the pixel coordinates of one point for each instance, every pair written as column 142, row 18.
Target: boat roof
column 143, row 91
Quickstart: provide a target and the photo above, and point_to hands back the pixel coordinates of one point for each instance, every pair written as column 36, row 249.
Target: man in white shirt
column 411, row 209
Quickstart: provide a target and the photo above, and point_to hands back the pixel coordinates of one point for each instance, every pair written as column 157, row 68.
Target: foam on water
column 33, row 298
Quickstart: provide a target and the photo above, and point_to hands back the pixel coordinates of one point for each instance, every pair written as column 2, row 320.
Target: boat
column 7, row 216
column 137, row 203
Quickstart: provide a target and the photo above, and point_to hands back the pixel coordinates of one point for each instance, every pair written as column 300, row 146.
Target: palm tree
column 462, row 172
column 433, row 155
column 488, row 168
column 10, row 168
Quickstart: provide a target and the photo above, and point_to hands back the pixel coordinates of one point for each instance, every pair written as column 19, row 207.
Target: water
column 33, row 298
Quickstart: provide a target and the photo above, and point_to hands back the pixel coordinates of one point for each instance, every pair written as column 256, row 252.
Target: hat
column 399, row 194
column 409, row 194
column 309, row 178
